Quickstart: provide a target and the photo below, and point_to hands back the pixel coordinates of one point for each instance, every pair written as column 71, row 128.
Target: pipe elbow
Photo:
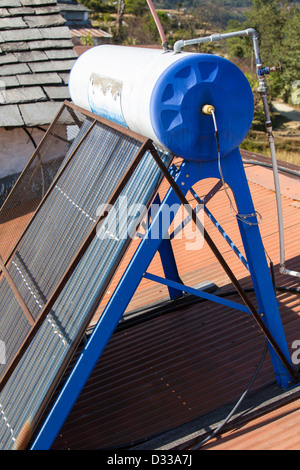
column 252, row 32
column 178, row 46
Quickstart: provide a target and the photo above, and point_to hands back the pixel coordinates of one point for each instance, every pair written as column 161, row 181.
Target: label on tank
column 104, row 94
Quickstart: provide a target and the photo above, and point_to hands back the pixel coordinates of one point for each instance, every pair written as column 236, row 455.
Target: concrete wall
column 16, row 149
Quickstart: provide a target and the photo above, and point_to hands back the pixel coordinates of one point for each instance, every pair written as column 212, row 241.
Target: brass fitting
column 207, row 109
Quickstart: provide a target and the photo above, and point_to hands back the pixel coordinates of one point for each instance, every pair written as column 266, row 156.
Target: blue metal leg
column 222, row 231
column 234, row 175
column 170, row 268
column 167, row 256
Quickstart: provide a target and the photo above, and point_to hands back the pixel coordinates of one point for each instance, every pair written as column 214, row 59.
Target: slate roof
column 36, row 56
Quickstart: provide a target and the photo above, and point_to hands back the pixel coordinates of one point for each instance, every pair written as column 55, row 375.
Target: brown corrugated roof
column 93, row 32
column 193, row 269
column 162, row 375
column 278, row 430
column 170, row 370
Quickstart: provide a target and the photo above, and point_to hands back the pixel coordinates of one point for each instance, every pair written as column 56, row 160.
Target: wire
column 267, row 165
column 241, row 217
column 238, row 403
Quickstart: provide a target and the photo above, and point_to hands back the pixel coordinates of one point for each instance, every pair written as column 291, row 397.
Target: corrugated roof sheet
column 277, row 430
column 161, row 376
column 169, row 371
column 93, row 32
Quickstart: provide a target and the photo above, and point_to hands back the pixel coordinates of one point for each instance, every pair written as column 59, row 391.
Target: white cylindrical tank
column 160, row 95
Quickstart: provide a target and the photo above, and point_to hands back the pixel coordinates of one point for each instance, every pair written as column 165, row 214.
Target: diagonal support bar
column 221, row 230
column 198, row 293
column 18, row 296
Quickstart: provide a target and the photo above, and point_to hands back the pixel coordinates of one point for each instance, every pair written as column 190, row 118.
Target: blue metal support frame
column 168, row 260
column 198, row 293
column 222, row 231
column 190, row 173
column 170, row 268
column 201, row 206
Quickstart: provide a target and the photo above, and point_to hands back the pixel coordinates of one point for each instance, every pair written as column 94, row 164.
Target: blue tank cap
column 179, row 95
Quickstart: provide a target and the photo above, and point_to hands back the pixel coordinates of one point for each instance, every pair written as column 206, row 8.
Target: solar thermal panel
column 103, row 164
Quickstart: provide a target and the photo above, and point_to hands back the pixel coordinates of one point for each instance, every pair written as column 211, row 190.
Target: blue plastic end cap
column 179, row 95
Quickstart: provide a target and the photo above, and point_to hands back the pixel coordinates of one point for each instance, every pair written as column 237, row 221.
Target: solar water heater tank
column 161, row 95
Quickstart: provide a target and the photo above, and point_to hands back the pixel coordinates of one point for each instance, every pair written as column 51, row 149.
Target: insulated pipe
column 217, row 37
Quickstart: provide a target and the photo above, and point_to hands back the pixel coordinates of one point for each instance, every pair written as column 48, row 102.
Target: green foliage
column 87, row 40
column 290, row 55
column 99, row 6
column 136, row 7
column 277, row 23
column 278, row 27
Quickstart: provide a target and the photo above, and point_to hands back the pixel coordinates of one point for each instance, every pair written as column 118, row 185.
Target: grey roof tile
column 14, row 46
column 21, row 11
column 21, row 35
column 10, row 116
column 31, row 56
column 52, row 66
column 9, row 81
column 8, row 59
column 27, row 3
column 40, row 79
column 11, row 3
column 4, row 12
column 62, row 32
column 50, row 44
column 43, row 21
column 73, row 7
column 12, row 23
column 47, row 10
column 36, row 58
column 13, row 69
column 25, row 95
column 2, row 94
column 61, row 54
column 57, row 92
column 64, row 77
column 35, row 115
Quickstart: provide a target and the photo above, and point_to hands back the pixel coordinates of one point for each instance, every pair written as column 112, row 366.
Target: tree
column 278, row 29
column 136, row 7
column 98, row 6
column 291, row 52
column 119, row 19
